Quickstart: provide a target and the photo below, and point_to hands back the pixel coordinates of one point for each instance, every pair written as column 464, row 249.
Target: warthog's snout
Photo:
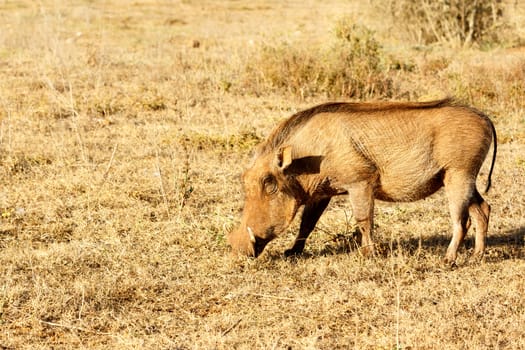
column 244, row 242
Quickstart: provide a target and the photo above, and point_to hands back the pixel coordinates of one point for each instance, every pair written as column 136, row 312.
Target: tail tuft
column 495, row 141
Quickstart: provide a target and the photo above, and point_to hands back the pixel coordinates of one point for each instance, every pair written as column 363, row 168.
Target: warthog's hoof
column 292, row 252
column 450, row 262
column 368, row 251
column 477, row 258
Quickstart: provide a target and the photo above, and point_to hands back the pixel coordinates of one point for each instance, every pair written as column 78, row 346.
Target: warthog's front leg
column 311, row 214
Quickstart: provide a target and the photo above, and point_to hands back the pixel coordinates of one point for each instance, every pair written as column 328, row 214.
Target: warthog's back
column 406, row 146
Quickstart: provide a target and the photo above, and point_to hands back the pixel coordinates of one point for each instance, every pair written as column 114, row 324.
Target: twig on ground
column 73, row 328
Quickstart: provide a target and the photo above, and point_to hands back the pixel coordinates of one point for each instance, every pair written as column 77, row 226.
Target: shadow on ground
column 502, row 246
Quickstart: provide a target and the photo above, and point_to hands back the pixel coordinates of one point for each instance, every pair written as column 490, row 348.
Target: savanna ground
column 125, row 126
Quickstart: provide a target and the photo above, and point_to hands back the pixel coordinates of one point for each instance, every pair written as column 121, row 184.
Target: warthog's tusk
column 250, row 233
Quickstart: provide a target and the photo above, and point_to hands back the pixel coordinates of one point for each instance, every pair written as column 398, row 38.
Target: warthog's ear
column 297, row 166
column 284, row 157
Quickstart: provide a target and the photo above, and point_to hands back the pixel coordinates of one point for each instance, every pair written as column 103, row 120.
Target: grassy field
column 125, row 126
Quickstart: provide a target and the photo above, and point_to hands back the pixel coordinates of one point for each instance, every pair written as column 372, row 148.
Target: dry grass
column 123, row 130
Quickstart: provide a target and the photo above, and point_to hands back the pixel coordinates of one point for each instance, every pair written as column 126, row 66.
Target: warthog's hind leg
column 479, row 211
column 459, row 190
column 362, row 199
column 311, row 214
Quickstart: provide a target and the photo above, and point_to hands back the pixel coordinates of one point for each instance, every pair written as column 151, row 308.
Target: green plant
column 351, row 66
column 357, row 64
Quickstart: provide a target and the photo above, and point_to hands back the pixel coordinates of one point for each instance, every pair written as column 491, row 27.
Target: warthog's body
column 387, row 151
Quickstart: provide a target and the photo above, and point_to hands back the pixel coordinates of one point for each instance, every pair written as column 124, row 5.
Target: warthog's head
column 272, row 197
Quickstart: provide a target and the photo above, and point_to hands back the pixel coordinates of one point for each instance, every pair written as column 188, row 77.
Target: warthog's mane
column 280, row 134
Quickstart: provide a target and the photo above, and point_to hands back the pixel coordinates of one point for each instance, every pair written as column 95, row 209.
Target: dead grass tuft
column 242, row 142
column 452, row 22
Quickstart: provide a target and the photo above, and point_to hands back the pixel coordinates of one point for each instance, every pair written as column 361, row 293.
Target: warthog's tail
column 495, row 142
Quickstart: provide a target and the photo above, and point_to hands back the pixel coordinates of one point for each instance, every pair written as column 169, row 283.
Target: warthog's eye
column 269, row 184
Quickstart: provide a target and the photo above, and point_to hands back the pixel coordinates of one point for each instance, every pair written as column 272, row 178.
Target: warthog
column 396, row 152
